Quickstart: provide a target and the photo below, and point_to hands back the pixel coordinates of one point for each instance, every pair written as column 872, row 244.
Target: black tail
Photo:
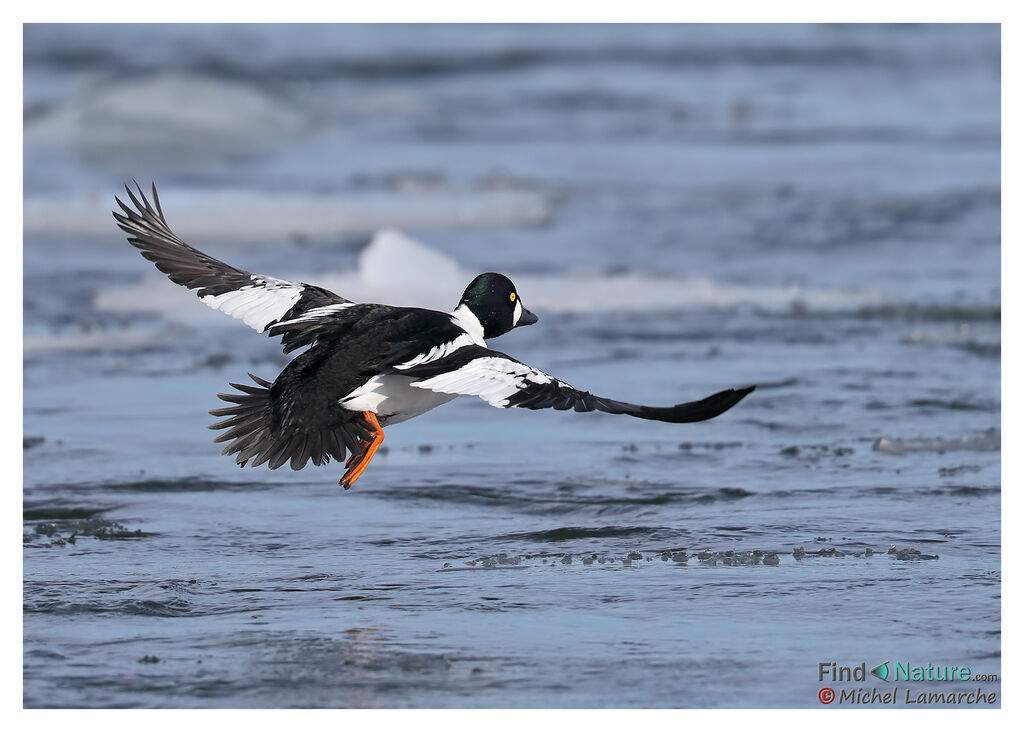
column 254, row 428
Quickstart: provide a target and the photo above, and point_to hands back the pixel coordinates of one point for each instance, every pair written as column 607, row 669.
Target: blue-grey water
column 815, row 209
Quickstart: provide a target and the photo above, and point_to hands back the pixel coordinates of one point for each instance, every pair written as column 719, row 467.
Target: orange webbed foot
column 356, row 464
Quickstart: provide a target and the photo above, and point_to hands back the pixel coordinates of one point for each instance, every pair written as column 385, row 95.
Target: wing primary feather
column 502, row 381
column 264, row 300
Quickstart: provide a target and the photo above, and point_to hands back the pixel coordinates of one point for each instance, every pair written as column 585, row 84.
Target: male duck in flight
column 367, row 366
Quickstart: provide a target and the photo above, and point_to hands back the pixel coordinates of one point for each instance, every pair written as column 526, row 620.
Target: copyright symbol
column 826, row 695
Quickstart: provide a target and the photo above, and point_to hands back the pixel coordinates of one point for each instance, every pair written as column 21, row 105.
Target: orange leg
column 357, row 464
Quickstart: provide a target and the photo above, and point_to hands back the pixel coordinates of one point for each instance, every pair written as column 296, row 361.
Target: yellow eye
column 512, row 297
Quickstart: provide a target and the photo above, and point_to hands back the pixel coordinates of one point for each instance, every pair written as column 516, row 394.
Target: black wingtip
column 712, row 406
column 138, row 193
column 698, row 411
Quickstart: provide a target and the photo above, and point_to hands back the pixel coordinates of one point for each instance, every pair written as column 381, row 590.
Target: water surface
column 812, row 209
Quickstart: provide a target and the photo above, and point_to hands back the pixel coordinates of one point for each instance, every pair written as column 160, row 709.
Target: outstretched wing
column 502, row 381
column 260, row 301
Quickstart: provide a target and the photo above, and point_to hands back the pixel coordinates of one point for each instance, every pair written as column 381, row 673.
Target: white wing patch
column 440, row 351
column 258, row 305
column 321, row 312
column 491, row 378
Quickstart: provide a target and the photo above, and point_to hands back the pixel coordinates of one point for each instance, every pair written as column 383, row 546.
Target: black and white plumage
column 366, row 365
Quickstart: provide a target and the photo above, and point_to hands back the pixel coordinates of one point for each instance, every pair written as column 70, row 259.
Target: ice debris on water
column 958, row 469
column 64, row 532
column 991, row 439
column 681, row 557
column 909, row 553
column 494, row 560
column 815, row 453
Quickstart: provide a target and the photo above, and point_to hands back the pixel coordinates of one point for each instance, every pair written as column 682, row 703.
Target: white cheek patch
column 259, row 304
column 518, row 313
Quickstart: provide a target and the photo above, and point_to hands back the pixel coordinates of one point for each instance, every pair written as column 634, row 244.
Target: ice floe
column 180, row 118
column 397, row 269
column 254, row 217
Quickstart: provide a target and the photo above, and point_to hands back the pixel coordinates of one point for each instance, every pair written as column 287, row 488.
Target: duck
column 365, row 366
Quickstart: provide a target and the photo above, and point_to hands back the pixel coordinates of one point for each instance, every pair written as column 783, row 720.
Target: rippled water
column 812, row 209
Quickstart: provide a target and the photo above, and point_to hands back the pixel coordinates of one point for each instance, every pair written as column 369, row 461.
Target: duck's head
column 495, row 302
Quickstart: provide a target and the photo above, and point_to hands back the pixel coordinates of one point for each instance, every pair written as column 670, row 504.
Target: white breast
column 392, row 399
